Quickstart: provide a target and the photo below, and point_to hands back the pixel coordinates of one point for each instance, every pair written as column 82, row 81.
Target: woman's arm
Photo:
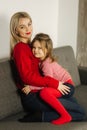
column 23, row 59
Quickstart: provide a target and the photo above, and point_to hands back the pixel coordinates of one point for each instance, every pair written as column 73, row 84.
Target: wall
column 58, row 18
column 67, row 23
column 82, row 35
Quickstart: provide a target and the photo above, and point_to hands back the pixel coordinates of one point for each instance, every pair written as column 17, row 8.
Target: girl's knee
column 44, row 92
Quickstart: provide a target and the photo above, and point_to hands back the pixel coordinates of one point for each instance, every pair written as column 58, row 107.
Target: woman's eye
column 29, row 24
column 21, row 27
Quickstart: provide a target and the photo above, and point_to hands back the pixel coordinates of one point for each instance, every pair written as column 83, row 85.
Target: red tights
column 51, row 95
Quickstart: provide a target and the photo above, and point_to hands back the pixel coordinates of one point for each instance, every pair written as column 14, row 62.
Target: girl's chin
column 37, row 57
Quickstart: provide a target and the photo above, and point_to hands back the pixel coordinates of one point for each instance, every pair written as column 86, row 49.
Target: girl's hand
column 26, row 89
column 63, row 88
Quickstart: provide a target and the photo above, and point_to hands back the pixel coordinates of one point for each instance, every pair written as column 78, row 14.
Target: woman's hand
column 63, row 88
column 26, row 89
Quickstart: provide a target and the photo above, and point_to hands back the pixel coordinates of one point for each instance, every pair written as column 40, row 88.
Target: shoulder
column 53, row 64
column 48, row 63
column 21, row 45
column 22, row 49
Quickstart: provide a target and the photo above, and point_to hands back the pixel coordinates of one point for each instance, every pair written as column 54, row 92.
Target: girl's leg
column 50, row 96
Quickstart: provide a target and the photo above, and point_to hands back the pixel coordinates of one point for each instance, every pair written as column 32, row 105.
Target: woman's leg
column 50, row 96
column 34, row 107
column 73, row 108
column 32, row 103
column 72, row 90
column 51, row 115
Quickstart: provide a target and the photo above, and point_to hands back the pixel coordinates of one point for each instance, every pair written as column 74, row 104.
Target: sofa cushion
column 15, row 125
column 9, row 99
column 81, row 96
column 65, row 57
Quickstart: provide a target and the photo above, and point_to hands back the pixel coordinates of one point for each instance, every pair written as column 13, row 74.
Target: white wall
column 58, row 18
column 68, row 22
column 44, row 14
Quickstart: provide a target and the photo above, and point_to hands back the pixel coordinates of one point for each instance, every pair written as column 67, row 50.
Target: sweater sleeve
column 22, row 57
column 47, row 69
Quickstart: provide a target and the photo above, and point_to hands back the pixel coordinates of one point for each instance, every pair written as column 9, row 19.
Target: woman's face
column 38, row 50
column 24, row 29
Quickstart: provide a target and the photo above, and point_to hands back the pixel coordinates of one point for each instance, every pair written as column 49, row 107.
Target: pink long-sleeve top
column 56, row 71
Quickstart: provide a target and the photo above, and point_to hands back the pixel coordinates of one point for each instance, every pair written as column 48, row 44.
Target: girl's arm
column 47, row 69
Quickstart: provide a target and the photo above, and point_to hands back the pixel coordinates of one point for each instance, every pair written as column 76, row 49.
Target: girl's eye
column 40, row 48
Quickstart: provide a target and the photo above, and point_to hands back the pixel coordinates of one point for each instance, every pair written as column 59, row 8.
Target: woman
column 28, row 70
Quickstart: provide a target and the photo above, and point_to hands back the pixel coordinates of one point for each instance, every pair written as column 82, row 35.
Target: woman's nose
column 27, row 29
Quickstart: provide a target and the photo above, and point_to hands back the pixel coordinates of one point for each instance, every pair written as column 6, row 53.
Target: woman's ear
column 16, row 31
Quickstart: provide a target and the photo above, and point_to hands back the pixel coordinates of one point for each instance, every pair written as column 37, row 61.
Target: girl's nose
column 36, row 49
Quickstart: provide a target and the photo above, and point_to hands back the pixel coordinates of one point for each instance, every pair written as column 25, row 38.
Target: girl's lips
column 28, row 33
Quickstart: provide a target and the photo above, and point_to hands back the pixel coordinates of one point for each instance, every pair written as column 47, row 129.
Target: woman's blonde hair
column 46, row 42
column 14, row 38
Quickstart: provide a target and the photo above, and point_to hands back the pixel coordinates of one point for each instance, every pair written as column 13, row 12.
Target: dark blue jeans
column 72, row 90
column 33, row 103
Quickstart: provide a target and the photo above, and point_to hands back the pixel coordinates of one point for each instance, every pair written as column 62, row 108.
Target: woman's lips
column 28, row 33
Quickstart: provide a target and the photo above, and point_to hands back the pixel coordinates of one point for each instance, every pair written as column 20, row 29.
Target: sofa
column 10, row 104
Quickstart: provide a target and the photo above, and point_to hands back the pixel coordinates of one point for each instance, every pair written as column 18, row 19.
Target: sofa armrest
column 83, row 74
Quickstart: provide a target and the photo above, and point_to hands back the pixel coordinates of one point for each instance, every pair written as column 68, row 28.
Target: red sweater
column 28, row 68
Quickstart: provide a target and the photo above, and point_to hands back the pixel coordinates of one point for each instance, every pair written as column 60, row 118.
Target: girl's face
column 24, row 29
column 39, row 51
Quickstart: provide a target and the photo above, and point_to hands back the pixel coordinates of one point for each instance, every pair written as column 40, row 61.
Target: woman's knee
column 72, row 90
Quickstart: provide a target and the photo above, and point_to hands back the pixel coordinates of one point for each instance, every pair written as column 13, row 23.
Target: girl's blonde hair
column 45, row 42
column 14, row 38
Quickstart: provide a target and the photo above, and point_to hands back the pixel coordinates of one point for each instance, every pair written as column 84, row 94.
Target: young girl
column 42, row 48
